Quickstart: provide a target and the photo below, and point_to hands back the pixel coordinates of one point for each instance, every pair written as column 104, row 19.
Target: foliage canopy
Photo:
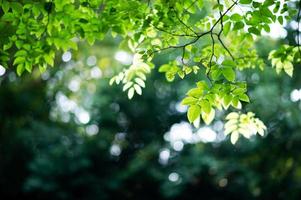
column 214, row 39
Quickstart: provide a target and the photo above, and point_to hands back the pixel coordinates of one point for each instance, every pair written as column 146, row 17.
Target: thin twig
column 199, row 35
column 192, row 4
column 174, row 34
column 221, row 31
column 181, row 21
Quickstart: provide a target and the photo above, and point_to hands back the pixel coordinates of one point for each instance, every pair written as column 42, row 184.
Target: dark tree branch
column 220, row 20
column 184, row 45
column 221, row 31
column 199, row 35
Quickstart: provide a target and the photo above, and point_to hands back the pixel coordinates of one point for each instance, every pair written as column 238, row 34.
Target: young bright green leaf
column 215, row 74
column 193, row 113
column 232, row 115
column 20, row 69
column 227, row 28
column 288, row 68
column 140, row 82
column 196, row 123
column 208, row 117
column 236, row 103
column 138, row 89
column 244, row 97
column 205, row 105
column 226, row 101
column 245, row 124
column 181, row 74
column 234, row 137
column 229, row 74
column 112, row 80
column 189, row 101
column 131, row 93
column 195, row 92
column 127, row 86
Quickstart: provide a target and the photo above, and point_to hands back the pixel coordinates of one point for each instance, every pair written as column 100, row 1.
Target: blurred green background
column 67, row 134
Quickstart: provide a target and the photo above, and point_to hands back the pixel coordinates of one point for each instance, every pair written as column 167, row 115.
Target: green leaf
column 235, row 17
column 170, row 76
column 5, row 6
column 189, row 101
column 21, row 53
column 254, row 30
column 90, row 40
column 28, row 66
column 215, row 74
column 20, row 69
column 280, row 20
column 140, row 82
column 193, row 113
column 187, row 70
column 141, row 75
column 238, row 25
column 205, row 105
column 195, row 92
column 288, row 68
column 229, row 73
column 156, row 42
column 228, row 63
column 112, row 80
column 232, row 115
column 126, row 86
column 7, row 46
column 138, row 89
column 227, row 100
column 239, row 91
column 196, row 123
column 131, row 93
column 49, row 60
column 195, row 69
column 181, row 74
column 17, row 7
column 227, row 28
column 164, row 68
column 202, row 85
column 236, row 103
column 234, row 137
column 244, row 97
column 245, row 1
column 42, row 68
column 266, row 27
column 150, row 32
column 240, row 124
column 208, row 118
column 19, row 60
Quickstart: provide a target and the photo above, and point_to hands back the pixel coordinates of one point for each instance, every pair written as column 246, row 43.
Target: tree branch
column 199, row 35
column 174, row 34
column 181, row 21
